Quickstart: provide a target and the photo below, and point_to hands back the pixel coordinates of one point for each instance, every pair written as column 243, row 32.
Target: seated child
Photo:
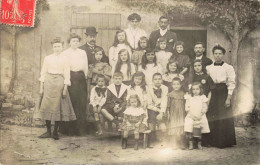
column 97, row 100
column 133, row 120
column 116, row 99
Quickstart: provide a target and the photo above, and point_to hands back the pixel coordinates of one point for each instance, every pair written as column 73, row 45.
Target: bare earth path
column 20, row 145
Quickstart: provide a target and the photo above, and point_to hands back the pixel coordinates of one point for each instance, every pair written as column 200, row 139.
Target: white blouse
column 78, row 60
column 163, row 59
column 150, row 71
column 56, row 64
column 95, row 99
column 124, row 71
column 154, row 101
column 113, row 53
column 223, row 74
column 196, row 105
column 133, row 36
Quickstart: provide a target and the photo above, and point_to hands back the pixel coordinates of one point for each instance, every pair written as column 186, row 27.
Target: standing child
column 140, row 51
column 55, row 77
column 162, row 53
column 119, row 43
column 149, row 66
column 172, row 72
column 98, row 68
column 125, row 66
column 133, row 119
column 157, row 104
column 196, row 121
column 97, row 100
column 176, row 110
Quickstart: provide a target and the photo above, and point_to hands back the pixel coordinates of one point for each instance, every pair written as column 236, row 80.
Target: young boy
column 157, row 104
column 115, row 103
column 98, row 97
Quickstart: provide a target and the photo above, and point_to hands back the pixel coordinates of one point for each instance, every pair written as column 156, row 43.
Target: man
column 90, row 45
column 199, row 51
column 163, row 32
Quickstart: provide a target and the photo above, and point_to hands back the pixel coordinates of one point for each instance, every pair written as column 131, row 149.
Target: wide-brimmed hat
column 91, row 30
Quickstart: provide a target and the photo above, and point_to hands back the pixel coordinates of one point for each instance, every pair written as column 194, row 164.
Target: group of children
column 149, row 91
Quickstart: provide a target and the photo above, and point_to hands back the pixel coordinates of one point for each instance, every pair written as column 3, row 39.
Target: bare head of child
column 138, row 79
column 134, row 101
column 179, row 46
column 157, row 80
column 101, row 81
column 172, row 66
column 98, row 54
column 196, row 89
column 176, row 84
column 143, row 43
column 123, row 56
column 118, row 78
column 149, row 57
column 161, row 43
column 57, row 45
column 198, row 67
column 120, row 37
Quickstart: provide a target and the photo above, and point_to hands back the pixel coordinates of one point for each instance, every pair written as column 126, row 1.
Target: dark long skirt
column 221, row 121
column 78, row 96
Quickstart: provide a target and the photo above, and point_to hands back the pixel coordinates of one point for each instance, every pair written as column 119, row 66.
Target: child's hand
column 159, row 117
column 115, row 109
column 99, row 109
column 64, row 93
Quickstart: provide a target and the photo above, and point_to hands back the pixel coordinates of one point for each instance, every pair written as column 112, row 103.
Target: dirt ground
column 21, row 145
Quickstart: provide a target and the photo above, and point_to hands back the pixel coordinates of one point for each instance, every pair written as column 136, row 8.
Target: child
column 133, row 118
column 99, row 67
column 176, row 109
column 157, row 104
column 55, row 77
column 149, row 66
column 172, row 72
column 140, row 51
column 119, row 43
column 123, row 65
column 183, row 62
column 162, row 53
column 116, row 99
column 97, row 100
column 196, row 121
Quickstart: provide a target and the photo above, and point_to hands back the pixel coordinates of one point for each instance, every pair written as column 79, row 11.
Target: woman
column 134, row 32
column 78, row 62
column 220, row 112
column 55, row 77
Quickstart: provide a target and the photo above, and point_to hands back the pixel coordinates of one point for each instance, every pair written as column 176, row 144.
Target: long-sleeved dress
column 163, row 59
column 149, row 71
column 221, row 119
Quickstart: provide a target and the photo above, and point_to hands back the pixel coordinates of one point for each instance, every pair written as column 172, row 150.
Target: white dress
column 196, row 106
column 149, row 71
column 124, row 71
column 163, row 59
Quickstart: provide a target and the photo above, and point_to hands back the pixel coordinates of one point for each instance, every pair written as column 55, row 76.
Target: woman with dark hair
column 78, row 62
column 220, row 114
column 134, row 32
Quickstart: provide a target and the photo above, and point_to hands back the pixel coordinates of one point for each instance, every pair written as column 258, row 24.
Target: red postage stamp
column 17, row 12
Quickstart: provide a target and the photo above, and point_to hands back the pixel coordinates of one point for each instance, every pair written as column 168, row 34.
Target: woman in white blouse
column 55, row 77
column 78, row 63
column 220, row 112
column 134, row 32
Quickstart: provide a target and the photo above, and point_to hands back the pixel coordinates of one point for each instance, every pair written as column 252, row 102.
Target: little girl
column 162, row 53
column 97, row 100
column 119, row 43
column 133, row 118
column 176, row 110
column 123, row 65
column 196, row 121
column 139, row 52
column 149, row 66
column 98, row 67
column 172, row 72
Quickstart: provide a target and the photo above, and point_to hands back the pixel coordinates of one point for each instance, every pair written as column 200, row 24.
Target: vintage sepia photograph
column 145, row 82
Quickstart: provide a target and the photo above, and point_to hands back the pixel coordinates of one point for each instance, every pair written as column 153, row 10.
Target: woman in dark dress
column 220, row 116
column 78, row 62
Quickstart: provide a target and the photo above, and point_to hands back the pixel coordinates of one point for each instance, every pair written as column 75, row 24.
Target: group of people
column 145, row 83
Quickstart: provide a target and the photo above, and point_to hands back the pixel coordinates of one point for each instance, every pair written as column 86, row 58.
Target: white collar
column 163, row 32
column 200, row 57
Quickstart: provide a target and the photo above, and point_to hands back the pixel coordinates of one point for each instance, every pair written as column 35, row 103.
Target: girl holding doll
column 120, row 42
column 176, row 110
column 125, row 66
column 140, row 51
column 149, row 66
column 196, row 121
column 133, row 120
column 162, row 54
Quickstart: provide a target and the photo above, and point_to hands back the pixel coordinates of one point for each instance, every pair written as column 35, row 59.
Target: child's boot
column 124, row 146
column 190, row 145
column 48, row 133
column 99, row 127
column 149, row 141
column 55, row 134
column 199, row 144
column 136, row 144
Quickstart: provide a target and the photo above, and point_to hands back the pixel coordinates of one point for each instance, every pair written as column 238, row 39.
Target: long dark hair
column 143, row 83
column 159, row 40
column 141, row 39
column 144, row 58
column 203, row 66
column 116, row 41
column 120, row 62
column 98, row 49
